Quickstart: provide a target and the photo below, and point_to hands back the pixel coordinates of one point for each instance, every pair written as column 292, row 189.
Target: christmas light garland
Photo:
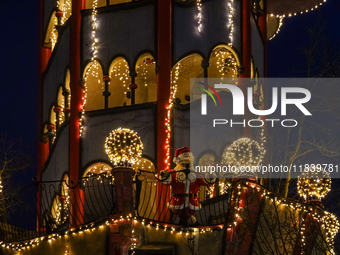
column 94, row 66
column 199, row 15
column 329, row 221
column 231, row 22
column 281, row 17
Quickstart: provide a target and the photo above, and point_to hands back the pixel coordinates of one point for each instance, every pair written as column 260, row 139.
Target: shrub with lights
column 331, row 226
column 314, row 184
column 124, row 147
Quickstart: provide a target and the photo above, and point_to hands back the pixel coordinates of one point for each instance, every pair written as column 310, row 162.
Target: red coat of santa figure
column 185, row 185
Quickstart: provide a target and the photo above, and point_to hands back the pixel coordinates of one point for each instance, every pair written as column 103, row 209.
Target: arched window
column 258, row 92
column 144, row 164
column 223, row 63
column 146, row 79
column 66, row 7
column 51, row 36
column 100, row 3
column 204, row 162
column 67, row 90
column 187, row 68
column 59, row 17
column 97, row 168
column 147, row 189
column 93, row 75
column 61, row 105
column 119, row 1
column 60, row 205
column 119, row 85
column 53, row 123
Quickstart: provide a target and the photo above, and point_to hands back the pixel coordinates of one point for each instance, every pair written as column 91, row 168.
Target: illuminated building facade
column 126, row 65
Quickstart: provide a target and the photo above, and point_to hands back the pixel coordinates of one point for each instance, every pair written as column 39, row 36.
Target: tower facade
column 116, row 91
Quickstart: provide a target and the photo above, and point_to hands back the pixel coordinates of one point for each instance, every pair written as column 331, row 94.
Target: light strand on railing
column 90, row 228
column 199, row 15
column 330, row 223
column 95, row 64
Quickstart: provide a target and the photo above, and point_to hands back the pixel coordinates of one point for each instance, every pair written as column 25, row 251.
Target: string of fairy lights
column 65, row 13
column 281, row 17
column 328, row 222
column 121, row 71
column 231, row 22
column 230, row 19
column 94, row 67
column 62, row 209
column 199, row 15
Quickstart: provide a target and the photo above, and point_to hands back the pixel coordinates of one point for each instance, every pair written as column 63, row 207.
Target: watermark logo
column 204, row 96
column 239, row 101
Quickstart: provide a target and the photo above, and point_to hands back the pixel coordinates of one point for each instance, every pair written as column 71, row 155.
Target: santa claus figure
column 185, row 184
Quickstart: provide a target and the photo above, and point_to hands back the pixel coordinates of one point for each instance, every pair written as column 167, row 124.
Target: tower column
column 164, row 63
column 76, row 194
column 246, row 56
column 43, row 147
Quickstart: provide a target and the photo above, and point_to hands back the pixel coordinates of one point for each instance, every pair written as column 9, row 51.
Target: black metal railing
column 181, row 198
column 52, row 207
column 44, row 208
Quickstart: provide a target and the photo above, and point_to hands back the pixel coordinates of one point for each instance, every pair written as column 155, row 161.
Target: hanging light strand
column 93, row 69
column 199, row 15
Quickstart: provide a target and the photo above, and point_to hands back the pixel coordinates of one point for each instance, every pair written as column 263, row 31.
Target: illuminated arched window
column 61, row 105
column 205, row 161
column 258, row 92
column 66, row 7
column 57, row 18
column 60, row 205
column 53, row 123
column 51, row 36
column 67, row 90
column 252, row 71
column 187, row 68
column 119, row 85
column 144, row 164
column 119, row 1
column 97, row 168
column 223, row 63
column 100, row 3
column 147, row 189
column 94, row 86
column 146, row 79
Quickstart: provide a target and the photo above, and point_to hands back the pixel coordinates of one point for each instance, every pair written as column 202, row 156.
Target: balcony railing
column 188, row 202
column 52, row 207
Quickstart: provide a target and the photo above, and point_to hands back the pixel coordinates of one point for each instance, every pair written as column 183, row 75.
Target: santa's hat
column 183, row 154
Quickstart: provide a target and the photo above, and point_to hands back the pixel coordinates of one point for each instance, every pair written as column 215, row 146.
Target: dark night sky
column 19, row 58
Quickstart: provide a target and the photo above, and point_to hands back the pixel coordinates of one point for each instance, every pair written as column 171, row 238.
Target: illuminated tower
column 110, row 64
